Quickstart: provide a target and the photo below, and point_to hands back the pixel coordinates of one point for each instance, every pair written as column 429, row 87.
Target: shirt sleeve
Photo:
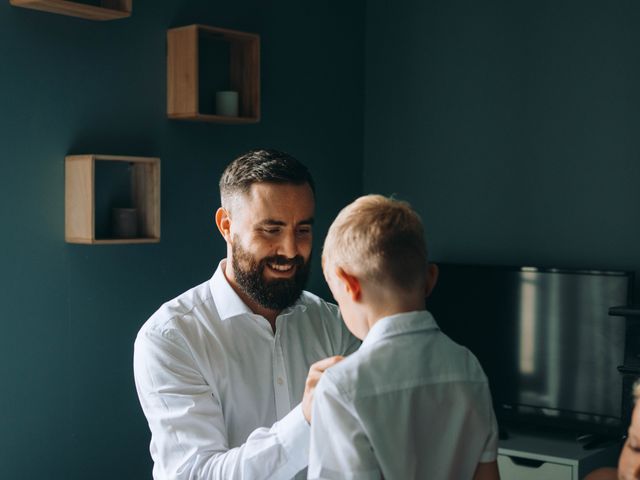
column 339, row 447
column 189, row 438
column 490, row 452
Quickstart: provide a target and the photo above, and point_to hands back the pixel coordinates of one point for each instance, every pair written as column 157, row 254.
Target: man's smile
column 280, row 268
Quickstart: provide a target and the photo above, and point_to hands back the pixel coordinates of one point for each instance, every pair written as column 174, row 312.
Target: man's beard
column 274, row 294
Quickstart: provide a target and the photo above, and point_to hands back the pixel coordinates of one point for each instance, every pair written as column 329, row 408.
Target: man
column 220, row 370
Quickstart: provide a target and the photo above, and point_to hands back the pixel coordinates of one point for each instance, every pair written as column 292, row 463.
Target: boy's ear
column 432, row 278
column 350, row 283
column 223, row 222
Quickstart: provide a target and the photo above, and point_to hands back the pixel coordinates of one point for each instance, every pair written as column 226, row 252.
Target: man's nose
column 289, row 245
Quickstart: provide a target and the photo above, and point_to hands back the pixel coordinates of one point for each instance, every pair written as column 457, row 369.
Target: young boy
column 410, row 403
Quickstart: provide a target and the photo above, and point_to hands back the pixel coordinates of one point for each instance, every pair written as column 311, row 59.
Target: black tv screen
column 543, row 337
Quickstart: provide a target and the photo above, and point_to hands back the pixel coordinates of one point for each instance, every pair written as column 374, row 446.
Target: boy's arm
column 487, row 471
column 339, row 447
column 487, row 468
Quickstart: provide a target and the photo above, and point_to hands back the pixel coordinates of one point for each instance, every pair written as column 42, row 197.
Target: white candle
column 227, row 103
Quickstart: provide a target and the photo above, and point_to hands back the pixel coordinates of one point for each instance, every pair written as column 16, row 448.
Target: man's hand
column 315, row 372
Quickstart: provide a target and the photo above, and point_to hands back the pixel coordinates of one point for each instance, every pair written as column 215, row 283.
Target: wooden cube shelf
column 108, row 9
column 80, row 198
column 183, row 73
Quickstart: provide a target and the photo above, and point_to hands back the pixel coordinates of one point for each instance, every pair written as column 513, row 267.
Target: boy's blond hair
column 380, row 239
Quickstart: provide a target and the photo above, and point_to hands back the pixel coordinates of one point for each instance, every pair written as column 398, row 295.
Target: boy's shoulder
column 405, row 361
column 358, row 374
column 345, row 375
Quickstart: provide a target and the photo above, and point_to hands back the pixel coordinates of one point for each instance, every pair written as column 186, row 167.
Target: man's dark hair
column 264, row 165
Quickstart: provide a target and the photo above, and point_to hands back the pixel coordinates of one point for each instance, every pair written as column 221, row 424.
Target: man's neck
column 254, row 306
column 270, row 315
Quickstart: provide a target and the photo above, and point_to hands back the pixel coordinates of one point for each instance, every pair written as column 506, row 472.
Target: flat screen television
column 543, row 337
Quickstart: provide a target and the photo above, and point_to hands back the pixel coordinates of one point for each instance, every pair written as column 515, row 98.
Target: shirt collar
column 228, row 302
column 400, row 324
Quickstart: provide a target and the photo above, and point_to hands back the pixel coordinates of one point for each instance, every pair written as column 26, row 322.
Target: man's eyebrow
column 274, row 222
column 270, row 221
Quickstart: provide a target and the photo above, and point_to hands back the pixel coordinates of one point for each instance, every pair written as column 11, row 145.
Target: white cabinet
column 529, row 456
column 511, row 467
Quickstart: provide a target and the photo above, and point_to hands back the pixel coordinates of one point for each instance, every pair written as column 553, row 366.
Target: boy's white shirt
column 410, row 403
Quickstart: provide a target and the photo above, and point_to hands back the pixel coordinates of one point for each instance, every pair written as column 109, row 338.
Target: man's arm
column 187, row 422
column 339, row 446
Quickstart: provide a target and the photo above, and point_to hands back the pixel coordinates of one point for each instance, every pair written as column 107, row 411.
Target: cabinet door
column 524, row 469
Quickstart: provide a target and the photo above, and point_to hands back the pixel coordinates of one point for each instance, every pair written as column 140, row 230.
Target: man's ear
column 350, row 283
column 432, row 278
column 223, row 222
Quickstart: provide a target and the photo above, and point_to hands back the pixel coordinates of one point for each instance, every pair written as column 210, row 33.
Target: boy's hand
column 315, row 372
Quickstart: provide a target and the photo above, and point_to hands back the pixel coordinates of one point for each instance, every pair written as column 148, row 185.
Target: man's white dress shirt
column 221, row 391
column 409, row 404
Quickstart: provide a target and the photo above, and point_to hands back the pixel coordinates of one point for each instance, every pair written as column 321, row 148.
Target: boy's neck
column 392, row 305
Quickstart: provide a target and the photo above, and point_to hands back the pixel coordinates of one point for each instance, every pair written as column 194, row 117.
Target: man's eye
column 304, row 231
column 271, row 231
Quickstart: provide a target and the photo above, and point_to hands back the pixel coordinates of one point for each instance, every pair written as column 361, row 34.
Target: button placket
column 280, row 384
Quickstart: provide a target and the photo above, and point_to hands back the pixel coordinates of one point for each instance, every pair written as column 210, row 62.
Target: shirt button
column 280, row 381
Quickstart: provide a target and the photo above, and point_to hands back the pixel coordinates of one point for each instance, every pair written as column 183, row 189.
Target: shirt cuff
column 295, row 434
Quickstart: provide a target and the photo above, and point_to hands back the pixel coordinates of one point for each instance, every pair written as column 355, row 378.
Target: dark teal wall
column 513, row 127
column 68, row 408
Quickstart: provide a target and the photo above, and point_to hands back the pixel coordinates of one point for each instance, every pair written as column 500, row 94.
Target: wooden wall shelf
column 80, row 198
column 109, row 9
column 184, row 69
